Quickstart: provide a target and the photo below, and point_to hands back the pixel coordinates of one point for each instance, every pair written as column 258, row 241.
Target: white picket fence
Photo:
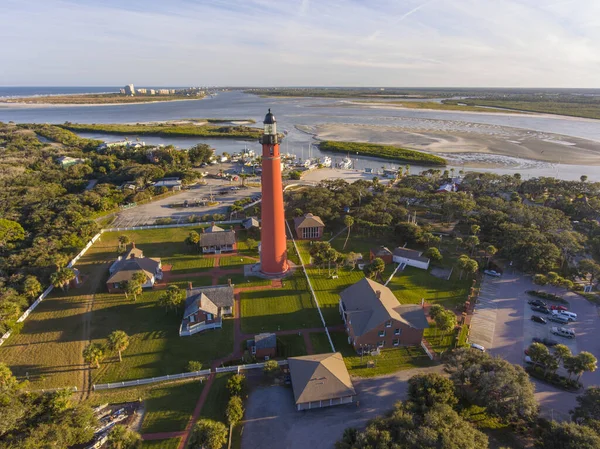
column 201, row 374
column 174, row 225
column 427, row 351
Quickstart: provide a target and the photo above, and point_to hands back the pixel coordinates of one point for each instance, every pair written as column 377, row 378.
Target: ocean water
column 29, row 91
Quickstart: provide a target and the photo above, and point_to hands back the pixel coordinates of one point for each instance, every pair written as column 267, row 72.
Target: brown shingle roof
column 308, row 221
column 320, row 377
column 368, row 304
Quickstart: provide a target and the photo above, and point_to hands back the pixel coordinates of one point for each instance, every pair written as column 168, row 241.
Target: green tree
column 271, row 368
column 10, row 232
column 376, row 267
column 124, row 240
column 435, row 310
column 490, row 250
column 31, row 287
column 58, row 280
column 132, row 288
column 237, row 385
column 567, row 436
column 472, row 241
column 427, row 390
column 208, row 434
column 562, row 352
column 139, row 277
column 93, row 354
column 193, row 239
column 434, row 254
column 251, row 244
column 348, row 222
column 445, row 321
column 194, row 366
column 471, row 267
column 588, row 406
column 118, row 341
column 171, row 298
column 583, row 178
column 589, row 267
column 234, row 411
column 200, row 153
column 475, row 229
column 540, row 279
column 121, row 437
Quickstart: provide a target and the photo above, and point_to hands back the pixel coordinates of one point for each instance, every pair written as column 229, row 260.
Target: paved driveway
column 505, row 328
column 273, row 422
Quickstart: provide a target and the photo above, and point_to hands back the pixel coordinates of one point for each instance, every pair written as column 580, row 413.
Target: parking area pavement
column 147, row 214
column 503, row 326
column 272, row 420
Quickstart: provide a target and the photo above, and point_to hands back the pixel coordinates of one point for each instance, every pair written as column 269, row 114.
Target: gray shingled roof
column 368, row 311
column 320, row 377
column 250, row 222
column 381, row 251
column 217, row 238
column 214, row 228
column 410, row 254
column 308, row 221
column 208, row 299
column 265, row 341
column 132, row 262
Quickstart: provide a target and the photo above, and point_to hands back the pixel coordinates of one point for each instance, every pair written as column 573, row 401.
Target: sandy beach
column 467, row 140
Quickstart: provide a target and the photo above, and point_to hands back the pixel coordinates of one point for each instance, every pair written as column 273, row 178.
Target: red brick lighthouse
column 273, row 254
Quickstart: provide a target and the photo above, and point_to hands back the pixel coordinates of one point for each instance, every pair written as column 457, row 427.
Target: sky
column 452, row 43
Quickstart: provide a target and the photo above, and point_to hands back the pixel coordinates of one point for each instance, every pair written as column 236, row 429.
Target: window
column 253, row 349
column 396, row 341
column 382, row 333
column 310, row 233
column 380, row 344
column 397, row 331
column 388, row 324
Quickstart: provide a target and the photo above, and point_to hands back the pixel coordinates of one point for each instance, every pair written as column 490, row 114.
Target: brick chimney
column 189, row 286
column 378, row 294
column 229, row 282
column 133, row 244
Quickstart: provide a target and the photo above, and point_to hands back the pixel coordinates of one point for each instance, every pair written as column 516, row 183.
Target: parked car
column 540, row 309
column 563, row 308
column 493, row 273
column 545, row 341
column 478, row 347
column 538, row 319
column 570, row 315
column 537, row 302
column 563, row 332
column 531, row 362
column 557, row 318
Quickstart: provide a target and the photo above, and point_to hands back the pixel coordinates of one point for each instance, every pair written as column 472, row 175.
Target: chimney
column 189, row 285
column 212, row 223
column 378, row 294
column 229, row 282
column 133, row 244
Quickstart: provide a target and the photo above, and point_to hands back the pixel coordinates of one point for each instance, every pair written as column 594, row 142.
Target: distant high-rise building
column 142, row 91
column 129, row 89
column 163, row 91
column 122, row 90
column 151, row 91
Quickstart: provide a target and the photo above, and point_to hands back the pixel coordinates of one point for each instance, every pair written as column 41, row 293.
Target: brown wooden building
column 309, row 227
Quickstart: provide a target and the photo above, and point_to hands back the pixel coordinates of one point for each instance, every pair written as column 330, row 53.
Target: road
column 502, row 324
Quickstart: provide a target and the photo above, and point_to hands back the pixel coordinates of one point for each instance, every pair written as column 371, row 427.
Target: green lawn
column 290, row 307
column 290, row 346
column 240, row 281
column 169, row 408
column 155, row 348
column 235, row 261
column 189, row 263
column 304, row 249
column 169, row 405
column 362, row 244
column 216, row 401
column 389, row 361
column 412, row 284
column 328, row 290
column 171, row 443
column 439, row 341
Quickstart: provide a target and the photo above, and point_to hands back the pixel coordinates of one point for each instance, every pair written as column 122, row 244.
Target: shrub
column 164, row 221
column 382, row 151
column 194, row 366
column 271, row 368
column 553, row 379
column 236, row 385
column 546, row 296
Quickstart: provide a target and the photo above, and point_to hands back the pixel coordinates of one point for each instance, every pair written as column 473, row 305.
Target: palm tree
column 31, row 287
column 57, row 279
column 68, row 275
column 348, row 221
column 93, row 354
column 118, row 341
column 121, row 437
column 472, row 241
column 490, row 250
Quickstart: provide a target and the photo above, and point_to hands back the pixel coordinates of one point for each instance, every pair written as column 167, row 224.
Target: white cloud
column 297, row 42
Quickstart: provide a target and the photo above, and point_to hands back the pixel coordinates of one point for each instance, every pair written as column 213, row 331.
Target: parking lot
column 502, row 324
column 148, row 213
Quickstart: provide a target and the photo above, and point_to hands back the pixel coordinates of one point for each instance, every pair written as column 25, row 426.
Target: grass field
column 240, row 281
column 155, row 348
column 362, row 244
column 171, row 443
column 439, row 341
column 304, row 249
column 216, row 401
column 290, row 307
column 389, row 361
column 235, row 261
column 290, row 346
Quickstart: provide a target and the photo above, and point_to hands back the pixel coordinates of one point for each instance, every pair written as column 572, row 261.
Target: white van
column 478, row 347
column 570, row 315
column 563, row 332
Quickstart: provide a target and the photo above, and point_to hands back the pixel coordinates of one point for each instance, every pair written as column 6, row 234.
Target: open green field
column 241, row 281
column 361, row 244
column 439, row 341
column 235, row 261
column 328, row 290
column 389, row 361
column 171, row 443
column 413, row 284
column 155, row 348
column 169, row 405
column 304, row 249
column 290, row 346
column 290, row 307
column 216, row 401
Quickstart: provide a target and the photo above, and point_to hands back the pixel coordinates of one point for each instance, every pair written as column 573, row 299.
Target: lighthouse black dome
column 269, row 118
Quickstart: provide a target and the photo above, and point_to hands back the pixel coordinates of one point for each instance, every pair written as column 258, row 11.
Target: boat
column 345, row 163
column 326, row 162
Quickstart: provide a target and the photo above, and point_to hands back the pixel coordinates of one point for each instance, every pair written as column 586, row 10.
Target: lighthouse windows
column 271, row 150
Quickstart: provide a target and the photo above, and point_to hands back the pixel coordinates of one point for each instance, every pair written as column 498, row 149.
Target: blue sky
column 520, row 43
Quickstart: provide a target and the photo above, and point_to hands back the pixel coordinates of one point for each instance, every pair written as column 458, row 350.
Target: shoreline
column 469, row 147
column 18, row 105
